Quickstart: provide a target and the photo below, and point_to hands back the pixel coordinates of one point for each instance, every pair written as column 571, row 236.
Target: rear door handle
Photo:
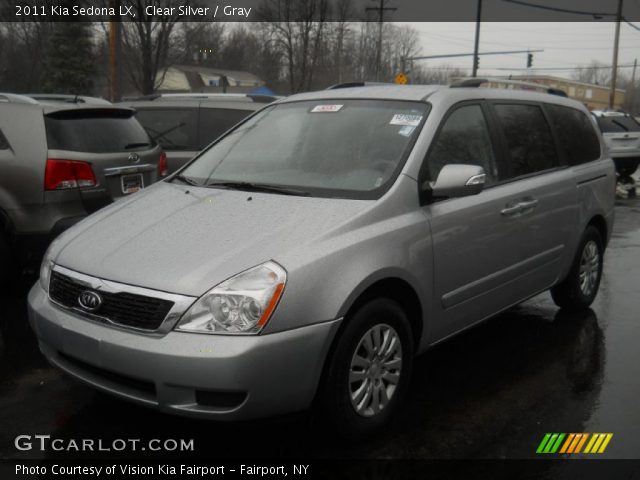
column 509, row 211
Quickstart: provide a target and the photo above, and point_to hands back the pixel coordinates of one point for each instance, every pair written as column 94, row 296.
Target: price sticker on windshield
column 326, row 108
column 406, row 120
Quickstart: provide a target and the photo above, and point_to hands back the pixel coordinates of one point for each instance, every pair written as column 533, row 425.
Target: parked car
column 621, row 134
column 185, row 123
column 60, row 161
column 313, row 250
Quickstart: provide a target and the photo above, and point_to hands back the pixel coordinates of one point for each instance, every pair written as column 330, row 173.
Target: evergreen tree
column 70, row 59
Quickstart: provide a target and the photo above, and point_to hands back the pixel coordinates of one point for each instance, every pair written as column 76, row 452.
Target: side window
column 4, row 143
column 576, row 134
column 215, row 121
column 528, row 138
column 464, row 138
column 173, row 128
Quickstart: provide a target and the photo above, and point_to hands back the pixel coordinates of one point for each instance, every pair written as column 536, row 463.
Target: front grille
column 123, row 308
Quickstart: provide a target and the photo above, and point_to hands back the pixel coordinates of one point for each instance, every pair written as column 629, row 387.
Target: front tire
column 578, row 290
column 368, row 373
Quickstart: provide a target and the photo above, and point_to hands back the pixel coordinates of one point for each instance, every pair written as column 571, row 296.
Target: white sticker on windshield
column 406, row 120
column 406, row 131
column 326, row 108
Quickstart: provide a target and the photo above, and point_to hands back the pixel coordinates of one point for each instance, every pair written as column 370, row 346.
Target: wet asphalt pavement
column 491, row 392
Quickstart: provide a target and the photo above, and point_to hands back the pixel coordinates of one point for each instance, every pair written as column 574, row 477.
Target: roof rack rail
column 356, row 84
column 258, row 98
column 477, row 82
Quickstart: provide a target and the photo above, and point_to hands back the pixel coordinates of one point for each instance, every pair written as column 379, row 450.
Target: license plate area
column 132, row 183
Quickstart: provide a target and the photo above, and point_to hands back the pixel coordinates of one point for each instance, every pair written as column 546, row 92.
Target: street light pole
column 614, row 72
column 476, row 58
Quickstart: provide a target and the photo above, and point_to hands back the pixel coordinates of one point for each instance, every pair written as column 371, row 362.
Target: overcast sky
column 565, row 45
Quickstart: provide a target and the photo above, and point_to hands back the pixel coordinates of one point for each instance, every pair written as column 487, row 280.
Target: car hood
column 186, row 240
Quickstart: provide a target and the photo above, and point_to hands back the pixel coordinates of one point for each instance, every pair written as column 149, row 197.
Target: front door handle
column 528, row 205
column 520, row 207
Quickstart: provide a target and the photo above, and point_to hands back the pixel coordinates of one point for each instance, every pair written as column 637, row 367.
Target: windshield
column 331, row 148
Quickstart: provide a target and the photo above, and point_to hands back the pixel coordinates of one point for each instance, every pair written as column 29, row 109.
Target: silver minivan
column 312, row 251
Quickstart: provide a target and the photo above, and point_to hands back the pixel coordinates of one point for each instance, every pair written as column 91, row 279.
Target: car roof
column 48, row 105
column 433, row 94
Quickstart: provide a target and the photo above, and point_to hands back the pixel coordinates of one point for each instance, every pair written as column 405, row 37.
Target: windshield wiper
column 187, row 180
column 259, row 187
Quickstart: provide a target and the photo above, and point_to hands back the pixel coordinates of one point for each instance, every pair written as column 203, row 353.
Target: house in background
column 186, row 78
column 594, row 97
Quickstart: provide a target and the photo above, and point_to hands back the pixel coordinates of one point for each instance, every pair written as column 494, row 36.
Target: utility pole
column 380, row 9
column 115, row 53
column 476, row 58
column 632, row 103
column 616, row 41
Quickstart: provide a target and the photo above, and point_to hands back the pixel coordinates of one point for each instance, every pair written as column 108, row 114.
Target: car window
column 215, row 121
column 576, row 134
column 528, row 137
column 464, row 138
column 95, row 131
column 4, row 143
column 173, row 128
column 617, row 123
column 330, row 148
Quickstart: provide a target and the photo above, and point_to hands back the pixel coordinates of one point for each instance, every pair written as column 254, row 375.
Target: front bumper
column 215, row 376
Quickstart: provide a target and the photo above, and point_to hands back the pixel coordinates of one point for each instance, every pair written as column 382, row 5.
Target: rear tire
column 368, row 373
column 6, row 261
column 626, row 170
column 578, row 290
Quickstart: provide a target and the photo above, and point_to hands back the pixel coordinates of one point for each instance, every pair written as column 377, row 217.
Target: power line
column 562, row 10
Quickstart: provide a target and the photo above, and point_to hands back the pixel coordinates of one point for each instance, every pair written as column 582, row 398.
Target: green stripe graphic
column 555, row 448
column 543, row 443
column 550, row 443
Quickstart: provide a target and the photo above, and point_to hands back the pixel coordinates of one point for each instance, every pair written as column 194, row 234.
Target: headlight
column 45, row 270
column 242, row 304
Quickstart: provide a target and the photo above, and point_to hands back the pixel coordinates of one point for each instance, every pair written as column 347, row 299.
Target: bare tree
column 150, row 46
column 596, row 73
column 298, row 28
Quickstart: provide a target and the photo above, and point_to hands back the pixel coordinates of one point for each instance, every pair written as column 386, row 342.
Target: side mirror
column 457, row 180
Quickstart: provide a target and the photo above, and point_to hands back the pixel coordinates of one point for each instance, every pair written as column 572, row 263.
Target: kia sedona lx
column 313, row 250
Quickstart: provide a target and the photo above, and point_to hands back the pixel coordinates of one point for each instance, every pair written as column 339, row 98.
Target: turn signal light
column 63, row 174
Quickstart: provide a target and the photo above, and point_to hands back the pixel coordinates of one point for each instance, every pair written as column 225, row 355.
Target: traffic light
column 529, row 60
column 476, row 62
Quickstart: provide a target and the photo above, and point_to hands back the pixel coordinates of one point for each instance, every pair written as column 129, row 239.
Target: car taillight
column 162, row 164
column 63, row 174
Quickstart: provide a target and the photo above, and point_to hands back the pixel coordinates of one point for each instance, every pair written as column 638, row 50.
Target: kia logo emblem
column 89, row 300
column 134, row 158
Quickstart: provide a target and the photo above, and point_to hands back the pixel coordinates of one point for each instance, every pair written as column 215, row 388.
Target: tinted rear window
column 618, row 124
column 107, row 131
column 173, row 128
column 215, row 121
column 528, row 138
column 575, row 133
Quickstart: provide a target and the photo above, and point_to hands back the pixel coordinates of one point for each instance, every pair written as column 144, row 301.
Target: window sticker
column 406, row 131
column 406, row 120
column 326, row 108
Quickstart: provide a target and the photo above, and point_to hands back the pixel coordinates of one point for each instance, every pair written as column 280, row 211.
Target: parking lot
column 491, row 392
